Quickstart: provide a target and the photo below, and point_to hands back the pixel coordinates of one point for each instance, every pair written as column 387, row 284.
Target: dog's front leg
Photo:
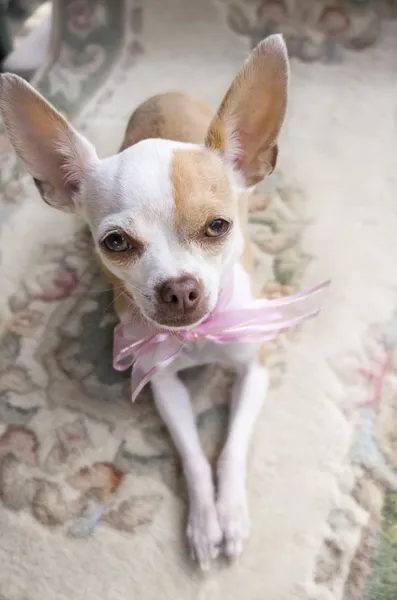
column 173, row 403
column 247, row 398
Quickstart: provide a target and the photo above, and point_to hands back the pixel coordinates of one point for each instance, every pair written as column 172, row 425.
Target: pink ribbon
column 149, row 349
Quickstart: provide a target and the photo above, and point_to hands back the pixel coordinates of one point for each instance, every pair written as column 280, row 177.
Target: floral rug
column 92, row 499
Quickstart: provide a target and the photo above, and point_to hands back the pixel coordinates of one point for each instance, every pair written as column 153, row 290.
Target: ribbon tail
column 140, row 375
column 126, row 346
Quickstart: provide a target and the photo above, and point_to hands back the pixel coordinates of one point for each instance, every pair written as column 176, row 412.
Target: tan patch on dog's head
column 201, row 191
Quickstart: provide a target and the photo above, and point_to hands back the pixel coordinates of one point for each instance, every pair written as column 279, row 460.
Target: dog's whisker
column 139, row 291
column 116, row 288
column 113, row 301
column 133, row 308
column 100, row 290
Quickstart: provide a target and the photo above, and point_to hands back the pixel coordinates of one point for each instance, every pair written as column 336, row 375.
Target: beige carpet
column 92, row 499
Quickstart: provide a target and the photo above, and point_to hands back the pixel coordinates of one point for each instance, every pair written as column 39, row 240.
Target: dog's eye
column 217, row 228
column 117, row 242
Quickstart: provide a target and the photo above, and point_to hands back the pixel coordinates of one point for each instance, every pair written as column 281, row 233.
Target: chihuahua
column 168, row 216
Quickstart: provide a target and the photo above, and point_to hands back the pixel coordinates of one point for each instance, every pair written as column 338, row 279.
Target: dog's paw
column 234, row 521
column 204, row 533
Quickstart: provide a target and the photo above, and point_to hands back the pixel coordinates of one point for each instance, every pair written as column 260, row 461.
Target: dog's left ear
column 247, row 124
column 54, row 153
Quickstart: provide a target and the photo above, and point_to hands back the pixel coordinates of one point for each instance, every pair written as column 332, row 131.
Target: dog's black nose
column 181, row 295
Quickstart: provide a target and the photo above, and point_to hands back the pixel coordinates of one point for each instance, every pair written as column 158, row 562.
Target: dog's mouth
column 174, row 318
column 176, row 323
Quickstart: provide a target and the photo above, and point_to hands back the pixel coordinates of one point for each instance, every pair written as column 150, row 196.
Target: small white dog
column 168, row 217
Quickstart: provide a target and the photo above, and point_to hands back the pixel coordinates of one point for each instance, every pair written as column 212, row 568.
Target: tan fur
column 171, row 116
column 201, row 190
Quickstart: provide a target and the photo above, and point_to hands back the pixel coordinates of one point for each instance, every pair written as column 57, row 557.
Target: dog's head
column 164, row 215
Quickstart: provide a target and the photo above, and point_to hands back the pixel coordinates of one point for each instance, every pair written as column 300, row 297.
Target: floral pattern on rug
column 360, row 552
column 85, row 54
column 319, row 30
column 74, row 452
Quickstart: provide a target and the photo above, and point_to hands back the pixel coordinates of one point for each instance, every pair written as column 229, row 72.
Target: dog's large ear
column 247, row 124
column 54, row 153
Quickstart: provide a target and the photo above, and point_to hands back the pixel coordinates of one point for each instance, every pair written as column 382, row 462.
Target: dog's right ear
column 54, row 153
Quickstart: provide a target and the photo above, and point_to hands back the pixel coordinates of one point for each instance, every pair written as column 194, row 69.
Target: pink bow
column 150, row 349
